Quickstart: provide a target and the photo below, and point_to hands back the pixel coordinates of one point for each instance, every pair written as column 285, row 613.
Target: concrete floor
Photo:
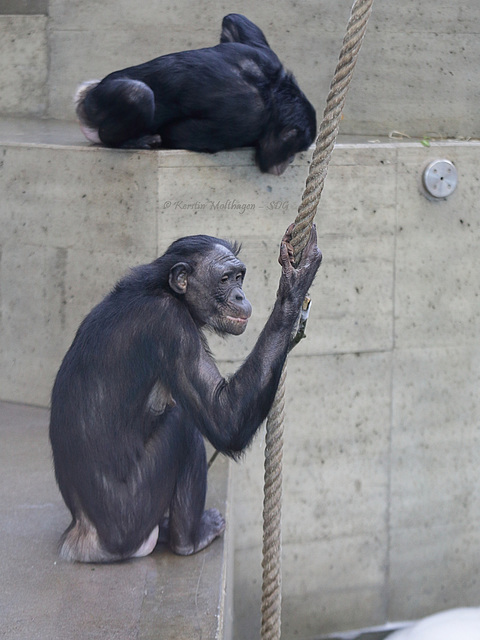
column 160, row 597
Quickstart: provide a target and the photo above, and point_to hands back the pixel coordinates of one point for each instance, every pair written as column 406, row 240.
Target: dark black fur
column 138, row 388
column 235, row 94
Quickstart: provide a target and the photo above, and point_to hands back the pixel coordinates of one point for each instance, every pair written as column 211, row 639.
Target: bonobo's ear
column 177, row 278
column 288, row 133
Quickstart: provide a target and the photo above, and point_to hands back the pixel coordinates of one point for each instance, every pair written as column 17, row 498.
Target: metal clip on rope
column 302, row 322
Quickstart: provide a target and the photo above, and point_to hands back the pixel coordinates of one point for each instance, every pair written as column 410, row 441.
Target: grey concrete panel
column 54, row 196
column 247, row 600
column 24, row 7
column 414, row 74
column 353, row 566
column 23, row 51
column 325, row 585
column 437, row 276
column 335, row 443
column 32, row 131
column 59, row 256
column 31, row 321
column 447, row 576
column 413, row 70
column 435, row 440
column 324, row 608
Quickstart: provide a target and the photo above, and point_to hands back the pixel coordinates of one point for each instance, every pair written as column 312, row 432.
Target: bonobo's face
column 278, row 149
column 229, row 310
column 215, row 294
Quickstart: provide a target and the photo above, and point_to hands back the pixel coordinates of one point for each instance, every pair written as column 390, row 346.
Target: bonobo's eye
column 236, row 276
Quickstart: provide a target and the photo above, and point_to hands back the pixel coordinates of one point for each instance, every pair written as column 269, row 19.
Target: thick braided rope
column 272, row 580
column 272, row 513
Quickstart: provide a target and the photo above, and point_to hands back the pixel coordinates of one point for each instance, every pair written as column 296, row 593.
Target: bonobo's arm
column 229, row 412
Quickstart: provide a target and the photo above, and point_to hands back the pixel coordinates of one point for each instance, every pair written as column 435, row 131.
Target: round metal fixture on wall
column 440, row 178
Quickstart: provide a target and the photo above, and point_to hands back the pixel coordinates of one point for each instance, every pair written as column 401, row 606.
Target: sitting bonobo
column 139, row 388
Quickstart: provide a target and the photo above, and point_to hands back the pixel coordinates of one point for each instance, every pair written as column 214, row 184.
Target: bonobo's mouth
column 239, row 321
column 278, row 169
column 235, row 325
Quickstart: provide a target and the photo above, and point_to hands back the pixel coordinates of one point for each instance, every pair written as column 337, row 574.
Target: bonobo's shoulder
column 145, row 290
column 236, row 52
column 144, row 279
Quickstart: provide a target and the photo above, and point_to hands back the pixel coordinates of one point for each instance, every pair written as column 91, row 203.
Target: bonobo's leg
column 195, row 135
column 81, row 543
column 237, row 28
column 190, row 527
column 128, row 511
column 123, row 109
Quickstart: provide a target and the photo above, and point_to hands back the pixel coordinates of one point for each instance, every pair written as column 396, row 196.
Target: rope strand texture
column 272, row 546
column 328, row 131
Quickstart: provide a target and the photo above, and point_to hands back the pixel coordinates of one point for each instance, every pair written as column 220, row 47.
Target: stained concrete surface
column 162, row 597
column 28, row 131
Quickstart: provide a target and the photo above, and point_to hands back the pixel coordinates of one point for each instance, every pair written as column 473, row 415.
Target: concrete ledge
column 24, row 7
column 162, row 596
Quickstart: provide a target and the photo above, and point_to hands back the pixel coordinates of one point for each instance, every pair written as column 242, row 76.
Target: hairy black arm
column 228, row 412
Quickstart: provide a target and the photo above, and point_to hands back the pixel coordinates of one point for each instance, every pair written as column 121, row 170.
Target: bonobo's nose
column 246, row 307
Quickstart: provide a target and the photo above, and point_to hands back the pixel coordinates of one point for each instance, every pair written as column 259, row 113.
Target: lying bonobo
column 236, row 94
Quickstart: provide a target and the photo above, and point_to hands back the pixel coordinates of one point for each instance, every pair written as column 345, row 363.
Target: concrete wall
column 417, row 71
column 382, row 508
column 23, row 43
column 381, row 502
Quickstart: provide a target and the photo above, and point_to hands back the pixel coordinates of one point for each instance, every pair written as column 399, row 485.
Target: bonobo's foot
column 145, row 142
column 211, row 526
